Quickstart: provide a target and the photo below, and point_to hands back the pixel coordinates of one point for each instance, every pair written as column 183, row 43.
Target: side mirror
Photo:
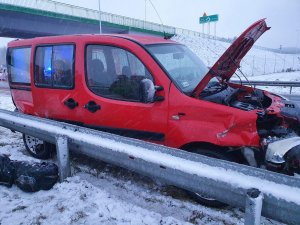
column 147, row 91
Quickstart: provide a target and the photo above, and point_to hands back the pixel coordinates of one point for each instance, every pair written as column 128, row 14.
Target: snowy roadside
column 3, row 84
column 292, row 76
column 256, row 65
column 100, row 194
column 256, row 61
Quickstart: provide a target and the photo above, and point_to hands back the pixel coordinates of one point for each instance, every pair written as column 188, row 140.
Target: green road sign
column 208, row 19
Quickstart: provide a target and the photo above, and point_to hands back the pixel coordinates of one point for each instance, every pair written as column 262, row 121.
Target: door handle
column 92, row 106
column 71, row 103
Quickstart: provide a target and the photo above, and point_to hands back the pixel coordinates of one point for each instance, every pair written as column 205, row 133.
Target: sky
column 234, row 16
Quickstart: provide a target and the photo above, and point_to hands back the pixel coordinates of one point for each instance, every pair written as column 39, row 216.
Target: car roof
column 141, row 39
column 146, row 39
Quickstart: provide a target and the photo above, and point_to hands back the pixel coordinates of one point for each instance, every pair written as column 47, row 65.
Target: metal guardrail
column 294, row 98
column 289, row 84
column 76, row 11
column 257, row 191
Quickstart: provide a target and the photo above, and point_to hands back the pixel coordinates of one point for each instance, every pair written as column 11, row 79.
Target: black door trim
column 137, row 134
column 21, row 88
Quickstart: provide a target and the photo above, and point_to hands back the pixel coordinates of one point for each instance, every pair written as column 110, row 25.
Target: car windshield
column 183, row 66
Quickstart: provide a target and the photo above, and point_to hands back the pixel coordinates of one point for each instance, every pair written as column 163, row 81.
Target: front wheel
column 203, row 199
column 37, row 148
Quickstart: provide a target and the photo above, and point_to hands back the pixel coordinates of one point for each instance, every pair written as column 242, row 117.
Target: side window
column 114, row 72
column 128, row 64
column 54, row 66
column 18, row 62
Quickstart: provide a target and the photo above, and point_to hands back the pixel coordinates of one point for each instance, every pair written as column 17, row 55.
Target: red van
column 156, row 90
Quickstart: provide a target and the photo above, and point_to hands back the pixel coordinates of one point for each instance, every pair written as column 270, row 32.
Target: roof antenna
column 165, row 34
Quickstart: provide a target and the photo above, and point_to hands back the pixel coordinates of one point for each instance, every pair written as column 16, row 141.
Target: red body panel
column 209, row 122
column 24, row 101
column 181, row 118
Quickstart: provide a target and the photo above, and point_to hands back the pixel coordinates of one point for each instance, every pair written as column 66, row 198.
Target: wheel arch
column 234, row 152
column 190, row 147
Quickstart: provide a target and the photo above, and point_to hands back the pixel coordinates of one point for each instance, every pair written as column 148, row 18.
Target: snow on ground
column 256, row 62
column 256, row 65
column 3, row 84
column 99, row 193
column 3, row 79
column 291, row 76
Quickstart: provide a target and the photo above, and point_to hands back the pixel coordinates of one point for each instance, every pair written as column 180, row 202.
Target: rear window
column 54, row 66
column 18, row 65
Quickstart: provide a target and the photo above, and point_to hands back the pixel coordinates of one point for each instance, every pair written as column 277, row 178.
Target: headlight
column 277, row 149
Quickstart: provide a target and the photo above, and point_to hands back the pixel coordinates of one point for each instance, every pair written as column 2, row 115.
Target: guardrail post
column 253, row 207
column 291, row 90
column 62, row 150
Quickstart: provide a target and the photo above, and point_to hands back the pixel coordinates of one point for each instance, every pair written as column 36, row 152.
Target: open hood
column 228, row 63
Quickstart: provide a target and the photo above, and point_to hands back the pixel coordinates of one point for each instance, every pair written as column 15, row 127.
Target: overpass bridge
column 32, row 18
column 35, row 18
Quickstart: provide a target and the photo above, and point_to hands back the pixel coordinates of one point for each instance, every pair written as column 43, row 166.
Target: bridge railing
column 76, row 11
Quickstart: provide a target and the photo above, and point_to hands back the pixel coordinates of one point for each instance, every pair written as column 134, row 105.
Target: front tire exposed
column 206, row 200
column 37, row 148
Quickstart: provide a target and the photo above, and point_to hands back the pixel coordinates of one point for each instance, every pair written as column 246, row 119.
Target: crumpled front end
column 280, row 131
column 283, row 154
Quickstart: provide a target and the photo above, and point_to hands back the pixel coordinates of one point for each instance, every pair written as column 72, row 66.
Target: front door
column 113, row 76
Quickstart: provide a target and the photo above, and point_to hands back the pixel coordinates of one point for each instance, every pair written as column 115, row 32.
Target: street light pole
column 100, row 19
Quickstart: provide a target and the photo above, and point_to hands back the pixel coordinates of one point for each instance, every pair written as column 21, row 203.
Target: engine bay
column 236, row 97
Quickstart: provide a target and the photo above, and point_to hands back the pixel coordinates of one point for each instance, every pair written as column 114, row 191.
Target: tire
column 37, row 148
column 206, row 200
